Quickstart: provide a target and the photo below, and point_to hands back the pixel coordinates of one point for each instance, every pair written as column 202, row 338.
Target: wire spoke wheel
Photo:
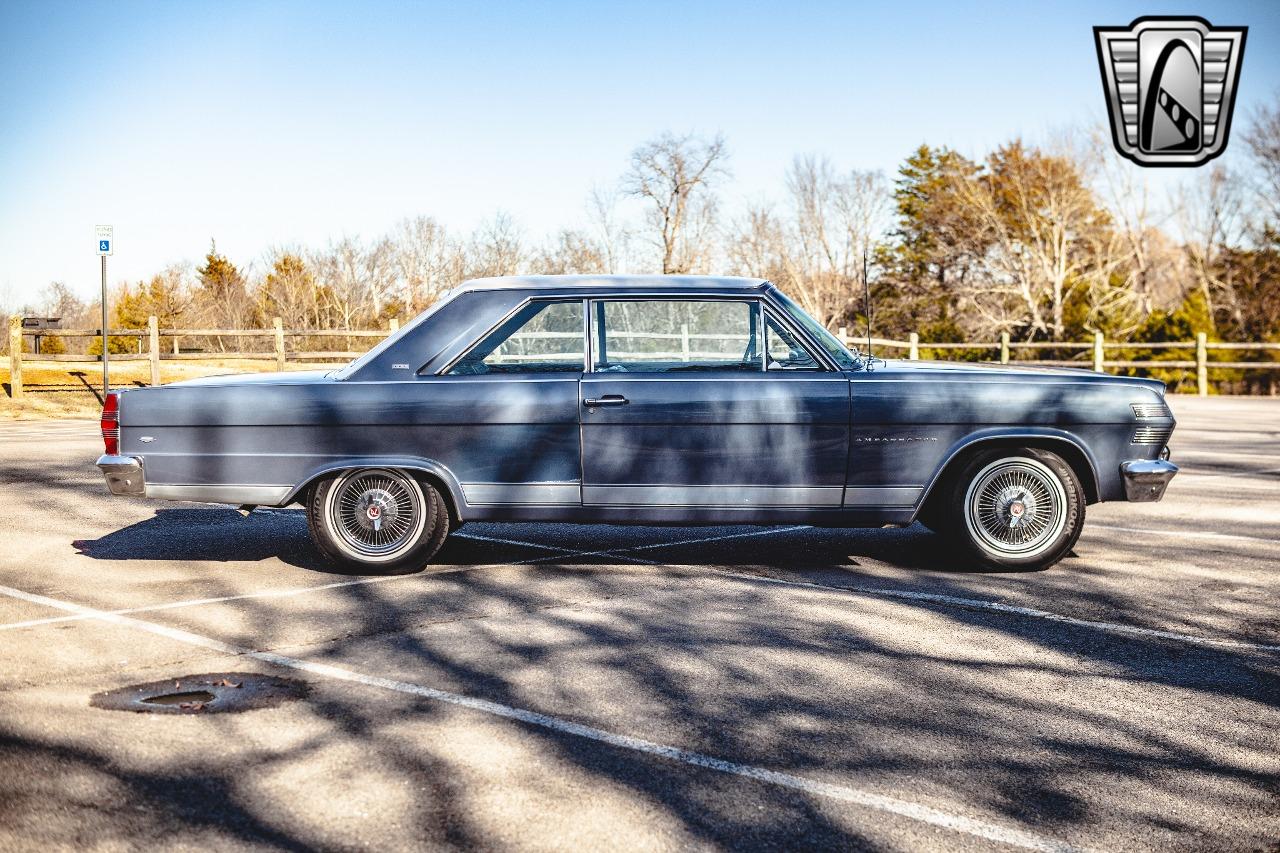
column 1015, row 507
column 377, row 514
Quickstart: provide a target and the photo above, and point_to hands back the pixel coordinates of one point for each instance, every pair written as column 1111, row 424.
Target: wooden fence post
column 1098, row 357
column 153, row 329
column 684, row 341
column 913, row 353
column 393, row 325
column 15, row 357
column 844, row 335
column 1004, row 347
column 1202, row 364
column 278, row 325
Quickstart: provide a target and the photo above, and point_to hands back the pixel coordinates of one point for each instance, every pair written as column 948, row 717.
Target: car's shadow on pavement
column 215, row 534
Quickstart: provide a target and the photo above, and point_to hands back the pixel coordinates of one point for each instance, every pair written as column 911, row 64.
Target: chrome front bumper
column 1146, row 479
column 124, row 475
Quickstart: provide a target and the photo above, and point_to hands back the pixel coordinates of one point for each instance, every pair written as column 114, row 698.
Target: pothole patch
column 213, row 693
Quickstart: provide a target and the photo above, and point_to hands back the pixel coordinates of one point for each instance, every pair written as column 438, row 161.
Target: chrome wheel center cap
column 375, row 508
column 1018, row 507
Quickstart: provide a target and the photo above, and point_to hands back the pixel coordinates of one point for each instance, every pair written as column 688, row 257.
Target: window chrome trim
column 772, row 313
column 760, row 298
column 482, row 337
column 768, row 296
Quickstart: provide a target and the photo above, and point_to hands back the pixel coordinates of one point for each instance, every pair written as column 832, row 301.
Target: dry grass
column 72, row 389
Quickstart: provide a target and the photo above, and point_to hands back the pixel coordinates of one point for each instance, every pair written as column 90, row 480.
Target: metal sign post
column 105, row 247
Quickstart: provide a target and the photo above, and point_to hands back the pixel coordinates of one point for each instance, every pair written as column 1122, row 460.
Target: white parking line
column 1184, row 533
column 968, row 603
column 999, row 607
column 196, row 602
column 560, row 551
column 622, row 552
column 879, row 802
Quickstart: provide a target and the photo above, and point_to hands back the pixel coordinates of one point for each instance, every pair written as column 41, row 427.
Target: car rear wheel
column 377, row 520
column 1015, row 508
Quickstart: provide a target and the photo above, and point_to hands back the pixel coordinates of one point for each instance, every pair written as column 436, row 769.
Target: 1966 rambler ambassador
column 650, row 399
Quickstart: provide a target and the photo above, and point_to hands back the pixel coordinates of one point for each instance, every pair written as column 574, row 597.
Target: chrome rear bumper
column 124, row 475
column 1146, row 479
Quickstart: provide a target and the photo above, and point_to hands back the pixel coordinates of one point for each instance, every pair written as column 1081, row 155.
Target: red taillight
column 111, row 423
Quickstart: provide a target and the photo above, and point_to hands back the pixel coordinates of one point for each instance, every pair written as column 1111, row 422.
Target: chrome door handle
column 606, row 400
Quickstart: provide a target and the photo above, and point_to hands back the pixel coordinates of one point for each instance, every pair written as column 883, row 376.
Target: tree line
column 1044, row 242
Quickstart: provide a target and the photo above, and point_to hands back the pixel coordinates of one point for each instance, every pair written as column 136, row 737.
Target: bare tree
column 838, row 219
column 289, row 292
column 496, row 248
column 570, row 253
column 1211, row 218
column 676, row 175
column 356, row 281
column 425, row 260
column 1264, row 144
column 760, row 246
column 1038, row 218
column 612, row 235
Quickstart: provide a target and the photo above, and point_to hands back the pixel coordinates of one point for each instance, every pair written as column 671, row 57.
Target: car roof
column 613, row 282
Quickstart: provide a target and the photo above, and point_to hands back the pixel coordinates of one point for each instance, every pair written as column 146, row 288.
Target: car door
column 683, row 406
column 511, row 408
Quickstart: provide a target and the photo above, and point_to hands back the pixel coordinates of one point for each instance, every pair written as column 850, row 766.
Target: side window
column 664, row 336
column 544, row 337
column 785, row 350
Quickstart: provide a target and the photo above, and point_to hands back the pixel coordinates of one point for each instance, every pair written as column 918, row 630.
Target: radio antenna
column 866, row 285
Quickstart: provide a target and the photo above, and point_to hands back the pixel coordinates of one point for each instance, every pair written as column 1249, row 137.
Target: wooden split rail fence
column 1094, row 353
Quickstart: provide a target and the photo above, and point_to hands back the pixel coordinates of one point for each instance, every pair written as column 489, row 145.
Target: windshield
column 829, row 342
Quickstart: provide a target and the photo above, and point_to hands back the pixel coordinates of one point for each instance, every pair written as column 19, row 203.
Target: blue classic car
column 645, row 400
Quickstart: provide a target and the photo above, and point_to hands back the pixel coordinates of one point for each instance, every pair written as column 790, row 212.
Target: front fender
column 1047, row 437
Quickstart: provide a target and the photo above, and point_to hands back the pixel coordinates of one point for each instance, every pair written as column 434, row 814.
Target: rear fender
column 407, row 463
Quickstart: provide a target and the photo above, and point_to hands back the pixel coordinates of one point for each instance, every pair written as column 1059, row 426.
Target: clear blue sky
column 265, row 124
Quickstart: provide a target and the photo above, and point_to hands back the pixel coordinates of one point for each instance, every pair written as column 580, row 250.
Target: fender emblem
column 147, row 439
column 399, row 367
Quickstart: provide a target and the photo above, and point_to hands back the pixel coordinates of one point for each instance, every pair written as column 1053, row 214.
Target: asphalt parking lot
column 647, row 688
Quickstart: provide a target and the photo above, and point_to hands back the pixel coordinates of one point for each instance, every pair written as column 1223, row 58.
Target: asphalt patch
column 214, row 693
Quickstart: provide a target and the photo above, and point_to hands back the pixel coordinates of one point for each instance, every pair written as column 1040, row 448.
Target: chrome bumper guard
column 1146, row 479
column 124, row 475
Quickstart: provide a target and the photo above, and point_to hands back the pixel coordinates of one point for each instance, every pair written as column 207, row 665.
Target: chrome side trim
column 1146, row 479
column 746, row 497
column 478, row 494
column 124, row 475
column 221, row 494
column 882, row 495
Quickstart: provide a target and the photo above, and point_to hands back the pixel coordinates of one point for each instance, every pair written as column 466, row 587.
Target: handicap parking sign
column 104, row 245
column 104, row 239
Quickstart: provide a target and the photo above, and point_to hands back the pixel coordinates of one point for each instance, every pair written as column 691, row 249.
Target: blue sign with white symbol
column 104, row 245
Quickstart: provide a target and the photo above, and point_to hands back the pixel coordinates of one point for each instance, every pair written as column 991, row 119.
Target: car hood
column 288, row 377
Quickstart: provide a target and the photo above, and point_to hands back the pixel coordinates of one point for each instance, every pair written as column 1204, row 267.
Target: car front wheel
column 377, row 520
column 1015, row 508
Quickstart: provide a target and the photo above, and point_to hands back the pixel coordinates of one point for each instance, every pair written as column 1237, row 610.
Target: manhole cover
column 219, row 692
